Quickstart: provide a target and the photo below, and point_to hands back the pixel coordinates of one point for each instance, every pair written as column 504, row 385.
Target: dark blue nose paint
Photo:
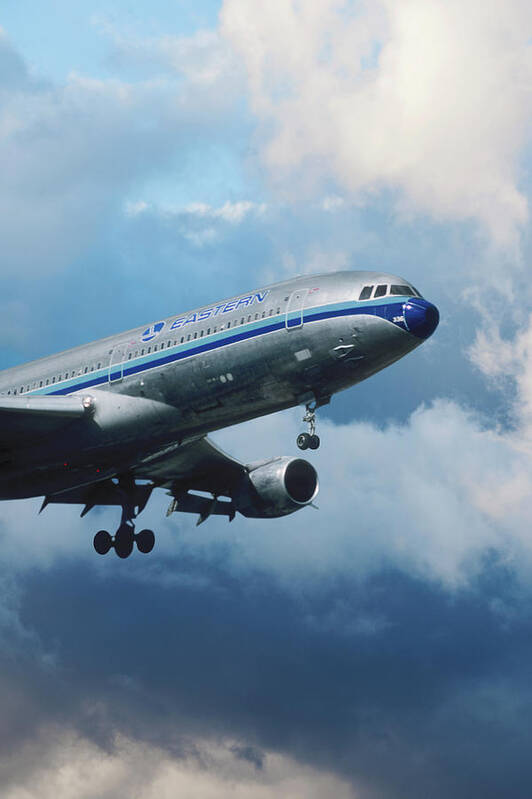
column 421, row 317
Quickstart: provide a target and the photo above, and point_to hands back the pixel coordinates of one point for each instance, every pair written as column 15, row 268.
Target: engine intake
column 278, row 487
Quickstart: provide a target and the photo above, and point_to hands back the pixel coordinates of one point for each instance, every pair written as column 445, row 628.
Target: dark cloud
column 416, row 705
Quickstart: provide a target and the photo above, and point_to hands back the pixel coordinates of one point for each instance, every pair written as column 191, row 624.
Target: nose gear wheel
column 309, row 440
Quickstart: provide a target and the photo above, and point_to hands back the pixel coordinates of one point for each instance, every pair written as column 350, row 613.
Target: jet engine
column 277, row 488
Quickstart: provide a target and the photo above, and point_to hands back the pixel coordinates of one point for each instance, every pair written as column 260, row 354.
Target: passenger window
column 47, row 381
column 15, row 391
column 242, row 320
column 271, row 312
column 142, row 351
column 182, row 339
column 149, row 350
column 249, row 318
column 196, row 334
column 256, row 316
column 155, row 348
column 85, row 370
column 229, row 324
column 380, row 291
column 208, row 330
column 40, row 384
column 365, row 294
column 188, row 337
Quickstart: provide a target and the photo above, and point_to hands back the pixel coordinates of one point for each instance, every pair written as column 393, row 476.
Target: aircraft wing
column 194, row 466
column 198, row 465
column 35, row 417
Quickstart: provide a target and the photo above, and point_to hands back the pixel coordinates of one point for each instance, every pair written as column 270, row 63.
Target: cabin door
column 295, row 308
column 116, row 363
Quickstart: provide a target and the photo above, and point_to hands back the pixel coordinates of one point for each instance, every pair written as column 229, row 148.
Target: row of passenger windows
column 199, row 334
column 144, row 351
column 382, row 290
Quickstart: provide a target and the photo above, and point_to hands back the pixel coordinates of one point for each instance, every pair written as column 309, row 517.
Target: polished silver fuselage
column 290, row 343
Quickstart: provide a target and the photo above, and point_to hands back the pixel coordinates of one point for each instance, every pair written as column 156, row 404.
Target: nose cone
column 421, row 317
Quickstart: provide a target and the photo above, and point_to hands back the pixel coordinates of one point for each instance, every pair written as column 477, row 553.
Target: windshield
column 398, row 290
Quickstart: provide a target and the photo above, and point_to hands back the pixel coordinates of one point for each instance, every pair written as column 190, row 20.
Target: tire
column 102, row 542
column 145, row 541
column 124, row 541
column 314, row 442
column 303, row 441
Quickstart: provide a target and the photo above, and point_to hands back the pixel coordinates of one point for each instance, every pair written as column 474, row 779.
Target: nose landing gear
column 309, row 440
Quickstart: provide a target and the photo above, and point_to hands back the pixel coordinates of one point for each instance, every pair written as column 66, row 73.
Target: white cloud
column 228, row 212
column 69, row 153
column 509, row 361
column 332, row 203
column 66, row 766
column 431, row 497
column 427, row 97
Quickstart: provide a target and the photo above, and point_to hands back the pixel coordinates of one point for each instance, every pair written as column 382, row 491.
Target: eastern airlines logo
column 152, row 331
column 201, row 316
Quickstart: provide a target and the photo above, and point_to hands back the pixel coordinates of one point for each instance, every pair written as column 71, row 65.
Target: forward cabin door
column 116, row 363
column 295, row 309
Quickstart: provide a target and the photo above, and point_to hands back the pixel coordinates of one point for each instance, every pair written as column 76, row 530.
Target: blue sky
column 158, row 156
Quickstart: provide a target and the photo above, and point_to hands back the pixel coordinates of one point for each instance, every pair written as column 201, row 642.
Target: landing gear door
column 295, row 308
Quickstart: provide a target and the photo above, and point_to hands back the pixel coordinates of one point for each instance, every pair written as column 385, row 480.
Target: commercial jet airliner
column 108, row 422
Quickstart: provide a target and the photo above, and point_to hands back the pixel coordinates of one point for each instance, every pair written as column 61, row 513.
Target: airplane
column 106, row 423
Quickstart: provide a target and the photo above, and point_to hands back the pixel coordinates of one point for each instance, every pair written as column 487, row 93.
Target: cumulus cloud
column 68, row 766
column 508, row 362
column 68, row 154
column 431, row 497
column 426, row 99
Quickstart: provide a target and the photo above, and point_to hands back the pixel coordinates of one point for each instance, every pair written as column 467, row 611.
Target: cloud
column 427, row 100
column 508, row 361
column 67, row 766
column 69, row 153
column 388, row 683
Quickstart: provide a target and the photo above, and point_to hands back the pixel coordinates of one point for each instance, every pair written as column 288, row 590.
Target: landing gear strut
column 309, row 440
column 125, row 537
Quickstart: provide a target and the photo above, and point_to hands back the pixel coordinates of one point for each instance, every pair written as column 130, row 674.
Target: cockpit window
column 402, row 290
column 380, row 291
column 365, row 294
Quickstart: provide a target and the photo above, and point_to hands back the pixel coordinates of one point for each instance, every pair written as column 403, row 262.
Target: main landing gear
column 125, row 537
column 309, row 440
column 123, row 541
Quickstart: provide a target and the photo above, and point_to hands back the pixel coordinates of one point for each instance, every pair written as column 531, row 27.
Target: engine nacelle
column 277, row 488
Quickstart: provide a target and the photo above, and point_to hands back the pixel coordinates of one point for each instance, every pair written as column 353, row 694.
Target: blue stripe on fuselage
column 179, row 352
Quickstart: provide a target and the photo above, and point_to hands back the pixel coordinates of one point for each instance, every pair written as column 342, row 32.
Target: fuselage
column 275, row 347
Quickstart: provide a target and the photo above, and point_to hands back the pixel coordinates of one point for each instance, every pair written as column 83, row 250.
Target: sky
column 158, row 156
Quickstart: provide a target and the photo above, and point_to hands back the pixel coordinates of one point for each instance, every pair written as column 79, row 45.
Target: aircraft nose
column 421, row 317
